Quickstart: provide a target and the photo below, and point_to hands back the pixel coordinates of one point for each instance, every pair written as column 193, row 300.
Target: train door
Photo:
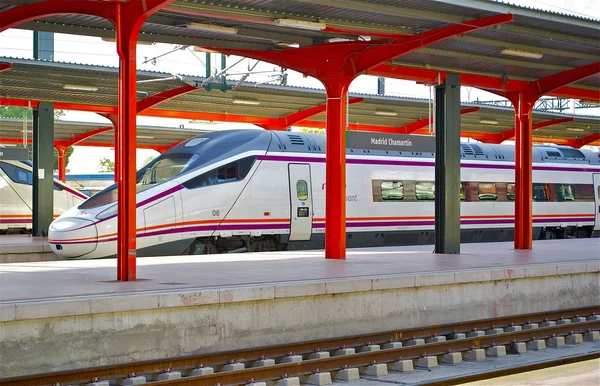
column 596, row 177
column 301, row 210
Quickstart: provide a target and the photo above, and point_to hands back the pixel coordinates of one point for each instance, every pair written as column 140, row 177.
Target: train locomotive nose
column 72, row 237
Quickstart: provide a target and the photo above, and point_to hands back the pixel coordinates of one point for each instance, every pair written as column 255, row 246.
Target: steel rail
column 364, row 359
column 188, row 362
column 458, row 380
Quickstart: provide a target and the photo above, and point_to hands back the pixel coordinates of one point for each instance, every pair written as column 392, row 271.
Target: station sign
column 391, row 142
column 14, row 154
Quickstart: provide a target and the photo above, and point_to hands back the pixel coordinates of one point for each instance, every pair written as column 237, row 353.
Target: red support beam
column 5, row 66
column 62, row 162
column 416, row 125
column 291, row 119
column 523, row 172
column 24, row 13
column 588, row 140
column 114, row 119
column 164, row 96
column 19, row 141
column 490, row 83
column 60, row 105
column 510, row 133
column 83, row 136
column 523, row 103
column 128, row 19
column 219, row 117
column 550, row 83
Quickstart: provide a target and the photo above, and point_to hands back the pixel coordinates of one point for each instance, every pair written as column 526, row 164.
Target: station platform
column 71, row 314
column 19, row 248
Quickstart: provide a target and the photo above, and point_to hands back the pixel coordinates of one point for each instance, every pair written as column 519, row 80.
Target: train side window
column 302, row 190
column 540, row 192
column 232, row 172
column 487, row 192
column 425, row 190
column 392, row 190
column 17, row 174
column 510, row 191
column 463, row 191
column 227, row 173
column 566, row 193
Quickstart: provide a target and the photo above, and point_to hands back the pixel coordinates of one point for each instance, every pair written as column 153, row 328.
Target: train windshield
column 191, row 154
column 162, row 169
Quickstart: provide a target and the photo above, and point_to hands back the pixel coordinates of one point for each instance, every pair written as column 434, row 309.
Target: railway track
column 318, row 361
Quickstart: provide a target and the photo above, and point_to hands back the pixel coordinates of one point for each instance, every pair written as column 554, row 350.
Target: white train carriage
column 256, row 190
column 16, row 187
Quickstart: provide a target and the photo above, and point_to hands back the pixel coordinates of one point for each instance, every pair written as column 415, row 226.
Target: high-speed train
column 16, row 188
column 256, row 190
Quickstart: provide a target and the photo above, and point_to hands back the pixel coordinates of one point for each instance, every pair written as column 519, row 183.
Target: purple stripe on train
column 160, row 195
column 16, row 221
column 356, row 161
column 359, row 224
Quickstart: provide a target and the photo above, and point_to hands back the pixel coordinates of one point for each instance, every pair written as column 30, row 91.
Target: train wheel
column 202, row 248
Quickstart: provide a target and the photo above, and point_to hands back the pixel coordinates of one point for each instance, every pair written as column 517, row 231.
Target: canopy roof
column 563, row 42
column 27, row 82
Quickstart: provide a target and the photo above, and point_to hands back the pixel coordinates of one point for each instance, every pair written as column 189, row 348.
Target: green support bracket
column 43, row 163
column 208, row 65
column 43, row 45
column 223, row 67
column 447, row 166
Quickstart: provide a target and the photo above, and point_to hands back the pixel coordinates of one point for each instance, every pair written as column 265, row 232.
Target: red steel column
column 523, row 173
column 127, row 28
column 335, row 168
column 114, row 118
column 62, row 163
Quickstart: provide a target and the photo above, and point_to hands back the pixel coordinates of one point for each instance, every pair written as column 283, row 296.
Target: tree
column 147, row 160
column 106, row 165
column 16, row 112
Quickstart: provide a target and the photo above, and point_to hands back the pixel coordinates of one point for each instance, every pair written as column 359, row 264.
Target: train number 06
column 216, row 213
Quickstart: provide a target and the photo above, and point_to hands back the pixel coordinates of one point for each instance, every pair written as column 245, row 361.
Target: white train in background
column 255, row 190
column 16, row 191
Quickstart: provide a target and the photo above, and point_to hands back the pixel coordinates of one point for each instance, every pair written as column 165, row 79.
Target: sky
column 91, row 50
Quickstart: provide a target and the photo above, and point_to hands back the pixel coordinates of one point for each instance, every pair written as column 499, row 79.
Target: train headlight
column 68, row 224
column 106, row 213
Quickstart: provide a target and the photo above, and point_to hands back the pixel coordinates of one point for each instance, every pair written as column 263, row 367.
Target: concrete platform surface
column 186, row 305
column 69, row 278
column 17, row 248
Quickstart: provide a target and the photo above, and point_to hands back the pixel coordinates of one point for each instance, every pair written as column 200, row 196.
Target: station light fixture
column 250, row 102
column 301, row 24
column 212, row 28
column 139, row 42
column 202, row 122
column 386, row 113
column 338, row 40
column 589, row 102
column 521, row 53
column 144, row 136
column 488, row 121
column 578, row 129
column 287, row 44
column 79, row 87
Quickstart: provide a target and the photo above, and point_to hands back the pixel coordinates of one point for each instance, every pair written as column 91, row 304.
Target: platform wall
column 99, row 330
